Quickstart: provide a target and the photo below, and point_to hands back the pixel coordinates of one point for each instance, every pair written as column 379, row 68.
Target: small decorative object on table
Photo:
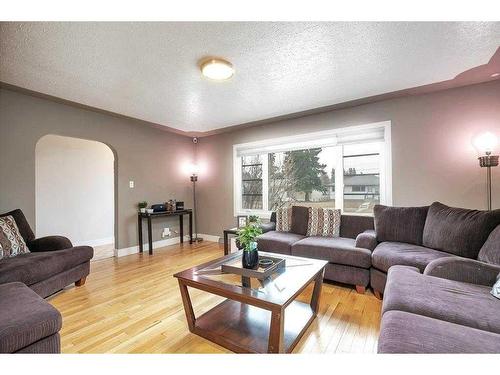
column 179, row 206
column 142, row 206
column 241, row 221
column 246, row 238
column 170, row 205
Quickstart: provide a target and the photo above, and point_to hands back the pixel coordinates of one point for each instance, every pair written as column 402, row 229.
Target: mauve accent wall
column 151, row 157
column 432, row 155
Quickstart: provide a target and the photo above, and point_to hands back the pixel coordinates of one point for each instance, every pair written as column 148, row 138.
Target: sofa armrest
column 464, row 270
column 50, row 243
column 367, row 239
column 267, row 227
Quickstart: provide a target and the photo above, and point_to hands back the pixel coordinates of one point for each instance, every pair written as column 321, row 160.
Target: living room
column 286, row 185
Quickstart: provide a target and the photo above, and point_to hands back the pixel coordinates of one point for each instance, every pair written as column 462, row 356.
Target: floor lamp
column 485, row 145
column 194, row 179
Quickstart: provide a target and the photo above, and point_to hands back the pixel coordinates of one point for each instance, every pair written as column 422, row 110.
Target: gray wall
column 149, row 156
column 432, row 155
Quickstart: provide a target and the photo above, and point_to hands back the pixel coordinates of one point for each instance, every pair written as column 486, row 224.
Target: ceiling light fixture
column 494, row 75
column 217, row 69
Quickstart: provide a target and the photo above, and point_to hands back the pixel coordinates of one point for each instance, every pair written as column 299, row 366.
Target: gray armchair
column 53, row 261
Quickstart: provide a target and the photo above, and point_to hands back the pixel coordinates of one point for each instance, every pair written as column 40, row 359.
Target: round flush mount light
column 217, row 69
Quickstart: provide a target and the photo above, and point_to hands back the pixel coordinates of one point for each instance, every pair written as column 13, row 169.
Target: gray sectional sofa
column 417, row 236
column 349, row 255
column 448, row 308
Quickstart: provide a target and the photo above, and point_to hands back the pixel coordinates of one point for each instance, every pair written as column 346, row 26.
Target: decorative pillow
column 324, row 222
column 283, row 219
column 11, row 241
column 400, row 224
column 495, row 291
column 458, row 231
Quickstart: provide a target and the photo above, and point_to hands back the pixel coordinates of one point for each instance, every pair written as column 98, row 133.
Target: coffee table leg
column 276, row 332
column 188, row 306
column 318, row 282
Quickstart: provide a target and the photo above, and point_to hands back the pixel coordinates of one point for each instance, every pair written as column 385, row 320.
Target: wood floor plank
column 132, row 304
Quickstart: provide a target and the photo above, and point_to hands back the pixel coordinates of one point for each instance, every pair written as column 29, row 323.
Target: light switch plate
column 131, row 184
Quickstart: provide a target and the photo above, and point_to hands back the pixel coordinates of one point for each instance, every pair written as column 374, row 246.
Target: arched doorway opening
column 75, row 192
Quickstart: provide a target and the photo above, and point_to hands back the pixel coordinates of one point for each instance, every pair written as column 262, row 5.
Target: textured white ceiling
column 149, row 70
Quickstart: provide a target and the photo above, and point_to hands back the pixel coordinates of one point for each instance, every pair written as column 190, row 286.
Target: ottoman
column 28, row 324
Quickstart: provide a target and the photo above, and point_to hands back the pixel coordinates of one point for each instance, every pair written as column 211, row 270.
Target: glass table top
column 294, row 272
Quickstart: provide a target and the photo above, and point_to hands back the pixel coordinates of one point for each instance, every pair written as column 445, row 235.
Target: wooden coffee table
column 257, row 316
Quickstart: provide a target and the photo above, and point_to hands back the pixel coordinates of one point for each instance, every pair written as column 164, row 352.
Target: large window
column 343, row 168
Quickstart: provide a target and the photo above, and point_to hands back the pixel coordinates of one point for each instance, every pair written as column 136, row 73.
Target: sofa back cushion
column 352, row 225
column 400, row 224
column 300, row 217
column 323, row 222
column 490, row 252
column 458, row 231
column 11, row 240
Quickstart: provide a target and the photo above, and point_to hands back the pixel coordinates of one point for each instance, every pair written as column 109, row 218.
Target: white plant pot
column 142, row 210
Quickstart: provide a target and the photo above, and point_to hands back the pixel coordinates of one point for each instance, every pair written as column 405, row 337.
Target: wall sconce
column 485, row 144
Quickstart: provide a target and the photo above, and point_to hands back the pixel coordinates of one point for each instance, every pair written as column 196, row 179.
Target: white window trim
column 321, row 138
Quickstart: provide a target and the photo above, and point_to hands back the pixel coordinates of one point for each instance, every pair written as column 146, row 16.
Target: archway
column 75, row 192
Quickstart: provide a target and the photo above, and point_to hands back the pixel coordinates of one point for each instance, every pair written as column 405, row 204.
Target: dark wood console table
column 148, row 217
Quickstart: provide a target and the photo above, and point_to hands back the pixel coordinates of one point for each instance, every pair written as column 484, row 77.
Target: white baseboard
column 162, row 243
column 98, row 242
column 209, row 237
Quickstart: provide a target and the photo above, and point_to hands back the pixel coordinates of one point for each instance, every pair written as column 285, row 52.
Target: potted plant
column 246, row 239
column 142, row 206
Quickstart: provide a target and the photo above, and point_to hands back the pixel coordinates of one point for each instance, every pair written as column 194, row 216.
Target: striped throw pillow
column 324, row 222
column 283, row 219
column 11, row 241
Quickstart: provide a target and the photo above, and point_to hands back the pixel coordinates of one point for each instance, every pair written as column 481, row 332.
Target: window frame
column 310, row 140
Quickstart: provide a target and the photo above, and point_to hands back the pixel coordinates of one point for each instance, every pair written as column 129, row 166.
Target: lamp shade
column 193, row 169
column 485, row 143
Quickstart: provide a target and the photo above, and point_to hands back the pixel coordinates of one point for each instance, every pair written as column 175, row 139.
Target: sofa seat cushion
column 456, row 302
column 35, row 267
column 333, row 249
column 402, row 332
column 388, row 254
column 277, row 242
column 26, row 317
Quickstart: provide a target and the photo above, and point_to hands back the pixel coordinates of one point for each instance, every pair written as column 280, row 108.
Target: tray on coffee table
column 234, row 265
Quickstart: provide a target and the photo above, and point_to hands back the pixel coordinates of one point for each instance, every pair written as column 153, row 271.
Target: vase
column 250, row 259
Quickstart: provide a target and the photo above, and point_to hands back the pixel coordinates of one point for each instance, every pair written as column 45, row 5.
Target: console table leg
column 188, row 307
column 190, row 227
column 226, row 243
column 139, row 228
column 150, row 236
column 276, row 332
column 181, row 228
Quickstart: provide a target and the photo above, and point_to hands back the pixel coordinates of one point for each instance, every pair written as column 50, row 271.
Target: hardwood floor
column 133, row 305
